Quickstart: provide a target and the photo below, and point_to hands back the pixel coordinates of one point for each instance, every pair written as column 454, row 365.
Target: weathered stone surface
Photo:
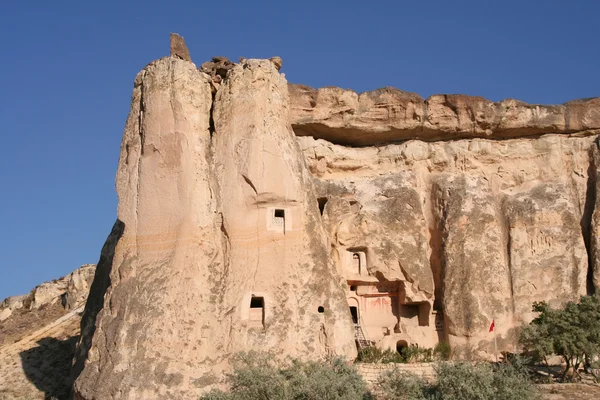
column 282, row 258
column 217, row 68
column 475, row 275
column 593, row 225
column 234, row 234
column 69, row 291
column 388, row 115
column 152, row 337
column 277, row 62
column 503, row 223
column 546, row 249
column 179, row 48
column 5, row 313
column 205, row 267
column 379, row 224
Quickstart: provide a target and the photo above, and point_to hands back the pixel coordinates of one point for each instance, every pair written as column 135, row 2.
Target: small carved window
column 257, row 311
column 356, row 262
column 279, row 218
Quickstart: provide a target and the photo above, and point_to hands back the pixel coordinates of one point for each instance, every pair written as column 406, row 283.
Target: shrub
column 463, row 381
column 400, row 385
column 375, row 355
column 442, row 351
column 512, row 381
column 258, row 377
column 410, row 354
column 318, row 380
column 572, row 332
column 414, row 354
column 460, row 381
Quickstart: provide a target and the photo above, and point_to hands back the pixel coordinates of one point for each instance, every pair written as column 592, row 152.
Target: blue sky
column 67, row 69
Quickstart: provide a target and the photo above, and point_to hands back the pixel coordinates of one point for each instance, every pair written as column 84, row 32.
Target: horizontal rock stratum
column 391, row 115
column 259, row 215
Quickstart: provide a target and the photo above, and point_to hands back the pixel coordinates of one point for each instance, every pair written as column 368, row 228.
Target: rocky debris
column 69, row 291
column 217, row 66
column 179, row 48
column 217, row 69
column 391, row 115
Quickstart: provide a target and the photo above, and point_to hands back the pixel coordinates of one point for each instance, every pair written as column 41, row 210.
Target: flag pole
column 495, row 342
column 495, row 346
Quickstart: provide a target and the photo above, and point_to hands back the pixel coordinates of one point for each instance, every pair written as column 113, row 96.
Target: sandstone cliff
column 222, row 248
column 495, row 224
column 391, row 115
column 257, row 215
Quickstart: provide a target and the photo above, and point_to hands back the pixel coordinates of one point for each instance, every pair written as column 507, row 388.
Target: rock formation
column 69, row 291
column 497, row 224
column 391, row 115
column 247, row 221
column 179, row 48
column 38, row 334
column 222, row 248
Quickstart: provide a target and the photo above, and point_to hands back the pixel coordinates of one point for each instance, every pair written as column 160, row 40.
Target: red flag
column 492, row 326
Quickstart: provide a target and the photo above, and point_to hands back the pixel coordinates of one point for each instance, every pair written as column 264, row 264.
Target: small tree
column 572, row 333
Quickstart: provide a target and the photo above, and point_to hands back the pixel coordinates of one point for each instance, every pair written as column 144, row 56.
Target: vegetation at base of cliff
column 460, row 381
column 409, row 354
column 259, row 377
column 572, row 332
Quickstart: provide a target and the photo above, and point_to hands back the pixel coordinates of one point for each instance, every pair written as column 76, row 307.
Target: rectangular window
column 257, row 311
column 279, row 218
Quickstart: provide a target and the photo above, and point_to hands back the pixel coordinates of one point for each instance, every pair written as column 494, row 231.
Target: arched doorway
column 354, row 310
column 401, row 345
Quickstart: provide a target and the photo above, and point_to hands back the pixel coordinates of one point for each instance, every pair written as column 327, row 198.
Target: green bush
column 259, row 377
column 464, row 381
column 400, row 385
column 414, row 354
column 460, row 381
column 572, row 333
column 375, row 355
column 410, row 354
column 512, row 381
column 442, row 351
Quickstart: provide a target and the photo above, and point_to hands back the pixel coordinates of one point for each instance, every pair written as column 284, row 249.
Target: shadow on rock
column 48, row 366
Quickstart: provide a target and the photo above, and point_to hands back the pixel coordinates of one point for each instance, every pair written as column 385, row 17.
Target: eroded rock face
column 152, row 337
column 179, row 48
column 70, row 292
column 222, row 249
column 388, row 115
column 276, row 248
column 500, row 224
column 237, row 233
column 475, row 276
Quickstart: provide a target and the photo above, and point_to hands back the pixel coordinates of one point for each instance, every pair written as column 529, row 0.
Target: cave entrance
column 401, row 345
